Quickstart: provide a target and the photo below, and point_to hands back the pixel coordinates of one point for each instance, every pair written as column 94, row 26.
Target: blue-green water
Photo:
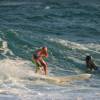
column 69, row 28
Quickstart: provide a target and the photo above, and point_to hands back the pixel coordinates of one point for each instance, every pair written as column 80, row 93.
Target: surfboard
column 62, row 79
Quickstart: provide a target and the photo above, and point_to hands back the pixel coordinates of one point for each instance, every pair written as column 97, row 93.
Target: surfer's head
column 44, row 50
column 88, row 58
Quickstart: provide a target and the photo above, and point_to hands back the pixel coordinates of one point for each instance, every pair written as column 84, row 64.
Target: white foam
column 10, row 69
column 93, row 46
column 69, row 44
column 17, row 71
column 47, row 7
column 16, row 83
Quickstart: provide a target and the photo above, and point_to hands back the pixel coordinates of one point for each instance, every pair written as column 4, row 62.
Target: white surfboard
column 62, row 79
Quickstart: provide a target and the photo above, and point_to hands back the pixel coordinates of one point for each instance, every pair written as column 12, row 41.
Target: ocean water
column 69, row 28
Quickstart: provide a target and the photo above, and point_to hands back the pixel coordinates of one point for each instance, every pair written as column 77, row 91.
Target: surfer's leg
column 44, row 64
column 37, row 67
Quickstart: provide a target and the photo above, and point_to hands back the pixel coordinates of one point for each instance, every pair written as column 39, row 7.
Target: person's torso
column 38, row 53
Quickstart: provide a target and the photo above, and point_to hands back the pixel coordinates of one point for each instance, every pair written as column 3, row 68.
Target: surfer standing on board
column 90, row 64
column 38, row 56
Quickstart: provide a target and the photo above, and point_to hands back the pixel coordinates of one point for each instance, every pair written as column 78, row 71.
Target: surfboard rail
column 62, row 79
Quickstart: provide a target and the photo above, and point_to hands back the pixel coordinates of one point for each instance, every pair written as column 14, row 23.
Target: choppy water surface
column 70, row 30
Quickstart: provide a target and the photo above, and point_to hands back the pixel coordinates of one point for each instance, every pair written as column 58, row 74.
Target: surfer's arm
column 46, row 54
column 94, row 65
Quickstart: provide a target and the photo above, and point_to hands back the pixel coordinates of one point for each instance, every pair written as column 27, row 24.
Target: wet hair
column 44, row 48
column 88, row 57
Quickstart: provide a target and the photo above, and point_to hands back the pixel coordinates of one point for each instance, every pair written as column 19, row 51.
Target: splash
column 15, row 69
column 4, row 48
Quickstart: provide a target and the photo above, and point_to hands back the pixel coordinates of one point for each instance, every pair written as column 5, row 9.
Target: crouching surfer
column 38, row 56
column 90, row 64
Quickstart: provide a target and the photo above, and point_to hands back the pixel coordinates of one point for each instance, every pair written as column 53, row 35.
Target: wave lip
column 69, row 44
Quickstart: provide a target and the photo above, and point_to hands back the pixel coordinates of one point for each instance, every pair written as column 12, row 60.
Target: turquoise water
column 70, row 30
